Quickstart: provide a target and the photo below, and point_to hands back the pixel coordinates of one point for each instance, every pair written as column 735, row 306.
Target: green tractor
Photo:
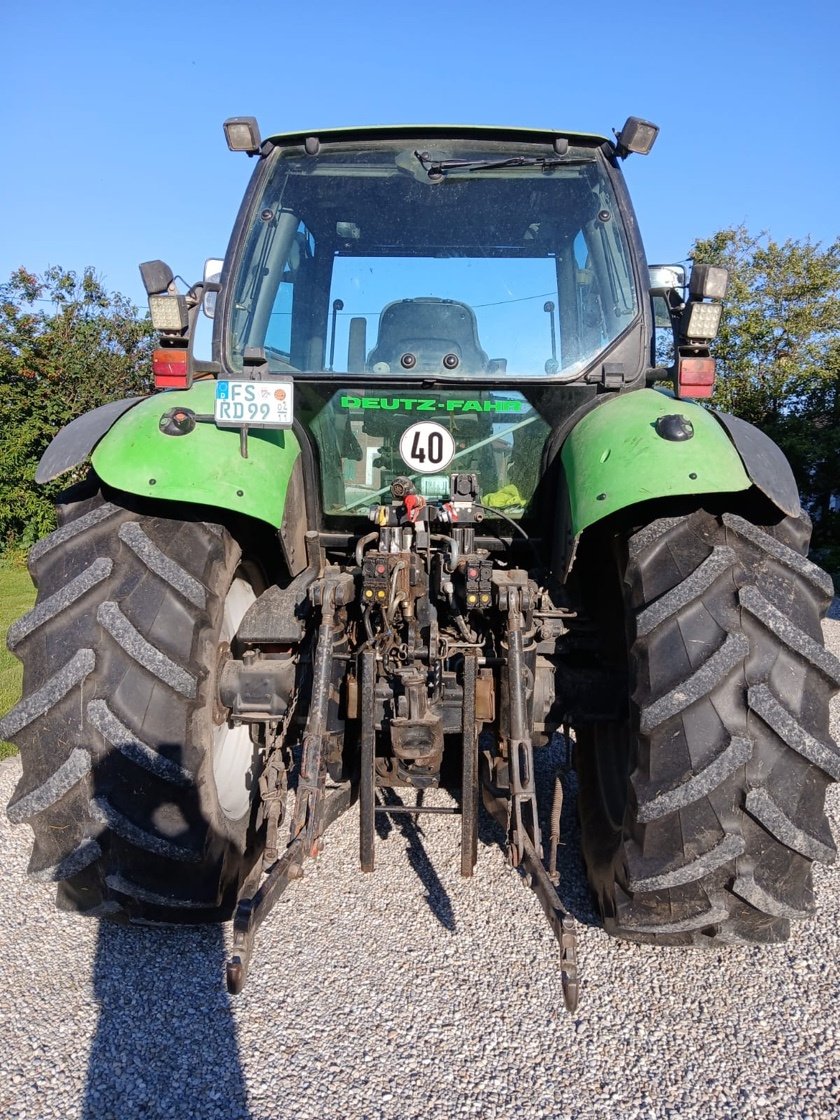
column 428, row 505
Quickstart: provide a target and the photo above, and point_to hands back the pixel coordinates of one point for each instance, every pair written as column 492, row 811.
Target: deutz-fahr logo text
column 429, row 404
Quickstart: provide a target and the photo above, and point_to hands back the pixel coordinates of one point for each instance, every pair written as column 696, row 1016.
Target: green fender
column 204, row 466
column 615, row 457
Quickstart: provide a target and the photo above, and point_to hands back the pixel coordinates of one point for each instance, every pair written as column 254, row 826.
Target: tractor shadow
column 165, row 1044
column 411, row 830
column 573, row 887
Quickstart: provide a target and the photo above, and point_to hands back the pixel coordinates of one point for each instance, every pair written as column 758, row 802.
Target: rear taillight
column 695, row 377
column 171, row 368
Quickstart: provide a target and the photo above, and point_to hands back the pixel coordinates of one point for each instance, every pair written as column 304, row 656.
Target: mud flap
column 75, row 441
column 767, row 467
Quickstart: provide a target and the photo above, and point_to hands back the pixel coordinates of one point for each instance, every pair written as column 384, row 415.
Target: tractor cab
column 443, row 277
column 352, row 246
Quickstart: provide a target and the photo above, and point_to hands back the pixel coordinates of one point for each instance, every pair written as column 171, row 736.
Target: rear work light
column 701, row 321
column 171, row 368
column 169, row 313
column 695, row 377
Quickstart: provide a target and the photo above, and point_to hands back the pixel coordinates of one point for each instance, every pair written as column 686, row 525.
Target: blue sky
column 111, row 113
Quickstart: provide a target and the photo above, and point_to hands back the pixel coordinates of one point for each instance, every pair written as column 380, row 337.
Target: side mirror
column 665, row 278
column 212, row 276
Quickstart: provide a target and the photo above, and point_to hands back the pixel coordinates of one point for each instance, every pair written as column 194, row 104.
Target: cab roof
column 504, row 133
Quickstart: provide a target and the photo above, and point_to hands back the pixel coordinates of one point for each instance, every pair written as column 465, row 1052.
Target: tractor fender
column 615, row 455
column 203, row 464
column 624, row 452
column 75, row 441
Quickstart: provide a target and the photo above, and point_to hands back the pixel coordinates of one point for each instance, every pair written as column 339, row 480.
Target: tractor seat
column 427, row 335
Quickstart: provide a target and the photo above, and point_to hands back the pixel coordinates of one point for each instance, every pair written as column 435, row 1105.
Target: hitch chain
column 523, row 801
column 274, row 785
column 554, row 837
column 312, row 780
column 273, row 790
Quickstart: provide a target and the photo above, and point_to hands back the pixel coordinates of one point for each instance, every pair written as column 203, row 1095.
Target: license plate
column 254, row 404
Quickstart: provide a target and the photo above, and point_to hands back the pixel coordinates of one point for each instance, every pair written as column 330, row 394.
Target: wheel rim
column 233, row 752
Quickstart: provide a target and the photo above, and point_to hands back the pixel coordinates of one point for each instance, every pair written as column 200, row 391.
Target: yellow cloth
column 505, row 498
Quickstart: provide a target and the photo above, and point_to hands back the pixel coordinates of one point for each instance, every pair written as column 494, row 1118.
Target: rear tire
column 139, row 795
column 702, row 816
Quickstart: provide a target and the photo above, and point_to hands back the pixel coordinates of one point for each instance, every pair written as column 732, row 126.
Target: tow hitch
column 444, row 646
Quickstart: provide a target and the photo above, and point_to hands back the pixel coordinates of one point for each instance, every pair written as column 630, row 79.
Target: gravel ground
column 410, row 993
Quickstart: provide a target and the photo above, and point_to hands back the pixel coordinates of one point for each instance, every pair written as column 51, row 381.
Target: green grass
column 16, row 597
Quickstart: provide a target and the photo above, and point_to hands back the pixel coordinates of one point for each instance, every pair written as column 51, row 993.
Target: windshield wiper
column 436, row 168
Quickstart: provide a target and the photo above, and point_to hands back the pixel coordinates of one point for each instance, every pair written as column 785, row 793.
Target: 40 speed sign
column 427, row 447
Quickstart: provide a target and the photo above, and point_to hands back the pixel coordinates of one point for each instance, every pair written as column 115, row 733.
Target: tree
column 66, row 346
column 778, row 359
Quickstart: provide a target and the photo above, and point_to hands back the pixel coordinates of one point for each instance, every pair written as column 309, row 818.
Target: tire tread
column 727, row 762
column 116, row 741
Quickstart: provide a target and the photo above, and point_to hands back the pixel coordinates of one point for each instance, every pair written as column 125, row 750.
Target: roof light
column 695, row 377
column 636, row 136
column 243, row 134
column 171, row 367
column 708, row 281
